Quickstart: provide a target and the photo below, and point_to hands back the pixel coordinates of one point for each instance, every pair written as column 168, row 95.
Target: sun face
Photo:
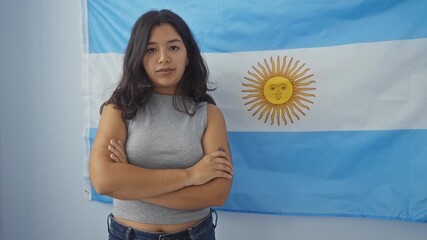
column 279, row 91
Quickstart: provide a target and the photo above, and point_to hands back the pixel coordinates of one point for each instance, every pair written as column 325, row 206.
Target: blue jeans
column 205, row 230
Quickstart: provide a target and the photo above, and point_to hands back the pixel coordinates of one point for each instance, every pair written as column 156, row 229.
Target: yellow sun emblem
column 279, row 91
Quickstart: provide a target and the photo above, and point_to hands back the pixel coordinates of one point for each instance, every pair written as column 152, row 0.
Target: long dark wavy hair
column 134, row 88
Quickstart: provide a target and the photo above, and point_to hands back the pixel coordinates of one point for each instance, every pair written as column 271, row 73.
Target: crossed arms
column 205, row 184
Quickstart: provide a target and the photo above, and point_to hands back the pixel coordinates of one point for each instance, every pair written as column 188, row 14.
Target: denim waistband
column 126, row 232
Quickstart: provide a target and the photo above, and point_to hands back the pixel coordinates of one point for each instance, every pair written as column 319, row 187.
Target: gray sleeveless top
column 160, row 137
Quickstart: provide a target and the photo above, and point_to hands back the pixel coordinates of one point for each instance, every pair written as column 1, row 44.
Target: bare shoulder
column 111, row 124
column 215, row 116
column 214, row 112
column 215, row 136
column 111, row 114
column 111, row 110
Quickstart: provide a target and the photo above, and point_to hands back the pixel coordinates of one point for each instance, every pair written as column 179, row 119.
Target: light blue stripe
column 230, row 26
column 94, row 195
column 376, row 174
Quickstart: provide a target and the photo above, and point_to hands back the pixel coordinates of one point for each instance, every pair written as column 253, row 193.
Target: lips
column 165, row 70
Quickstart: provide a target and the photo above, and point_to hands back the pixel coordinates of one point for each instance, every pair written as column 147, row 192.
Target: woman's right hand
column 215, row 165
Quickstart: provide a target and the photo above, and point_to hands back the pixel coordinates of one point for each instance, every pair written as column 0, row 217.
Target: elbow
column 221, row 197
column 100, row 187
column 99, row 181
column 219, row 202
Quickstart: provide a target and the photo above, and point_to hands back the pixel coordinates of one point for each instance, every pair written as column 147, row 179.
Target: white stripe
column 104, row 73
column 372, row 86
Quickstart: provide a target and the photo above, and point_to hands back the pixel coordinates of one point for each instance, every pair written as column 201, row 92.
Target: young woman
column 161, row 149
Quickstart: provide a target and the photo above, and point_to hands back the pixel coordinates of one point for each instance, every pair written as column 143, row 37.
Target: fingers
column 114, row 158
column 220, row 153
column 221, row 174
column 211, row 166
column 117, row 150
column 223, row 165
column 118, row 146
column 222, row 168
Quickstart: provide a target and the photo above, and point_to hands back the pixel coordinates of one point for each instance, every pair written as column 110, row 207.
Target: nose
column 163, row 56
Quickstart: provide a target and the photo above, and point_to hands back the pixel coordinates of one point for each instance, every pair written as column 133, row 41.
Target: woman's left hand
column 118, row 152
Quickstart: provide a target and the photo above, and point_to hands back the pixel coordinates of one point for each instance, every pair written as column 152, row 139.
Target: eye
column 283, row 87
column 174, row 48
column 273, row 87
column 150, row 50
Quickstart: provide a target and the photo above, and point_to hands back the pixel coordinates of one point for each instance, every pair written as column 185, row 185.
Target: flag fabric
column 325, row 101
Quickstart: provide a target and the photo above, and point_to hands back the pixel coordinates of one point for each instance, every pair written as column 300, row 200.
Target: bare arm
column 213, row 193
column 128, row 182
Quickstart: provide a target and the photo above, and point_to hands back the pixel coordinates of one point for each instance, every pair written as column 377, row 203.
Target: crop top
column 161, row 137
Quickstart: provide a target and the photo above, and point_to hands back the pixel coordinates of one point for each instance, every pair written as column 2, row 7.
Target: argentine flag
column 325, row 101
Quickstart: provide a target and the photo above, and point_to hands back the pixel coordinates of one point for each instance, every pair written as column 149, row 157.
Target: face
column 165, row 59
column 278, row 90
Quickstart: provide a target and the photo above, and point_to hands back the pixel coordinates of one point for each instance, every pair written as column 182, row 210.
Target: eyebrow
column 170, row 41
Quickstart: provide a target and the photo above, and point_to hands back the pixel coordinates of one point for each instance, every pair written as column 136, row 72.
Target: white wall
column 41, row 143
